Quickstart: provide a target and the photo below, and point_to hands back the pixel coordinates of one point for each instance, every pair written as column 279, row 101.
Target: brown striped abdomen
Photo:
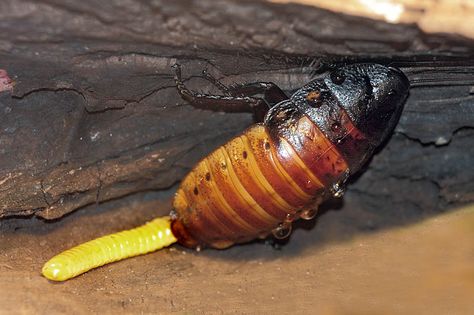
column 247, row 187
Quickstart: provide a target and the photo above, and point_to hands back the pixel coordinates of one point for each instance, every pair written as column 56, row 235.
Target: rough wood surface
column 93, row 114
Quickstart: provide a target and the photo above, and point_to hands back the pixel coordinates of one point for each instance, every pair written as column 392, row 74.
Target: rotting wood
column 94, row 115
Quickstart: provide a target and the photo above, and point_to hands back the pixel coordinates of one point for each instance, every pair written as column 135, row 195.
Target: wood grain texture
column 94, row 114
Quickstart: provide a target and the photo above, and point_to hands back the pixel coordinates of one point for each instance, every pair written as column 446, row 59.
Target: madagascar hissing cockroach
column 276, row 171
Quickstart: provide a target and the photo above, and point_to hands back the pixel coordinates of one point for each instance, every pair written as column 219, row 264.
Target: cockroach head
column 372, row 95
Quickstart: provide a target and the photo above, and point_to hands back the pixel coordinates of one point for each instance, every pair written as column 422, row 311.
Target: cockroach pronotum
column 278, row 170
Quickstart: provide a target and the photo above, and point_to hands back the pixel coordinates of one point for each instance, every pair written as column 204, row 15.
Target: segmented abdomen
column 256, row 181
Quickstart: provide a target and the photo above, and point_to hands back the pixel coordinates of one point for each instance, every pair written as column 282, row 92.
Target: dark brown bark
column 94, row 114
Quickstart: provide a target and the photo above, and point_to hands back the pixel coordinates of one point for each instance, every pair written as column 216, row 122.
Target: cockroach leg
column 225, row 103
column 272, row 94
column 216, row 82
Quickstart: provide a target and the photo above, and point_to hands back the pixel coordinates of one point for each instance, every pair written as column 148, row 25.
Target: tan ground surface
column 334, row 268
column 432, row 16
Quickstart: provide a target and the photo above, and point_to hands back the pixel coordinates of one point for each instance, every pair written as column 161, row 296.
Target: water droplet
column 290, row 217
column 282, row 231
column 309, row 214
column 337, row 190
column 173, row 215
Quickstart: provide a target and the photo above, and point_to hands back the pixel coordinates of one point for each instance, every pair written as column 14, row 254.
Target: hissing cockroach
column 275, row 172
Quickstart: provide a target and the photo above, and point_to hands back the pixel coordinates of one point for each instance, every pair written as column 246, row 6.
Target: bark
column 91, row 112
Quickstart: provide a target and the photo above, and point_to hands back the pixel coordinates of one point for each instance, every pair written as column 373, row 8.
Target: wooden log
column 93, row 114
